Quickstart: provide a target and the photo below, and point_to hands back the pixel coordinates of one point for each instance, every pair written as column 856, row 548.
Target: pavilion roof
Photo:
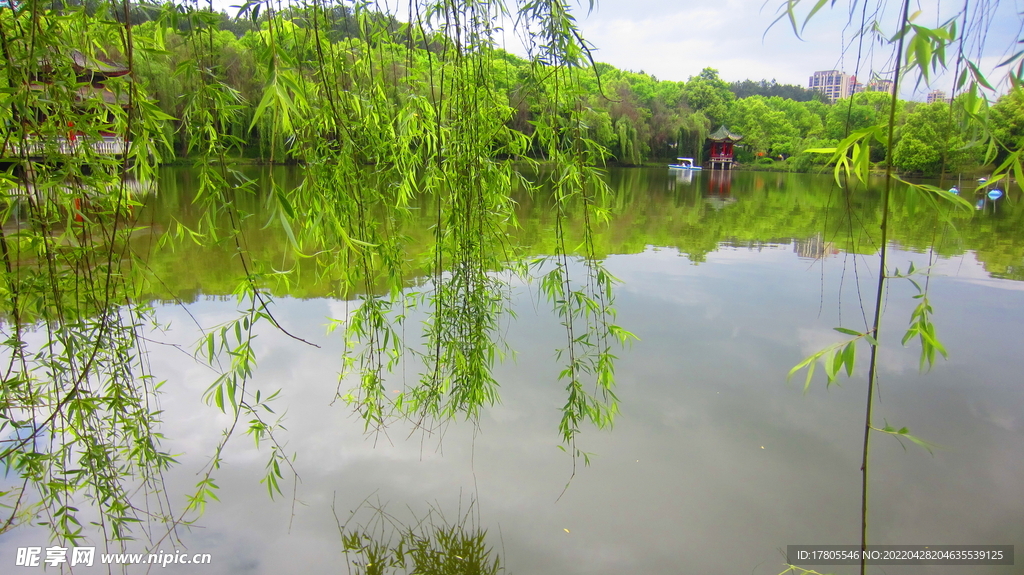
column 84, row 63
column 86, row 93
column 723, row 134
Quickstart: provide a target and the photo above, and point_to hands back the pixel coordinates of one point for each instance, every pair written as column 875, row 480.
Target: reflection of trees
column 380, row 543
column 649, row 208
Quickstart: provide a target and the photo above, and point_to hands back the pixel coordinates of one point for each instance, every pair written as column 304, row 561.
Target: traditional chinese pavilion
column 722, row 142
column 94, row 73
column 91, row 75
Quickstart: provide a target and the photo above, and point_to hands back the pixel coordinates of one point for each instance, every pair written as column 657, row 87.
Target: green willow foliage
column 380, row 124
column 917, row 51
column 77, row 404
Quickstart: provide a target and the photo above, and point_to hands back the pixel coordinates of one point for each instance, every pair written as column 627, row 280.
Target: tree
column 766, row 88
column 709, row 94
column 693, row 133
column 858, row 112
column 765, row 130
column 1008, row 121
column 862, row 111
column 931, row 141
column 632, row 125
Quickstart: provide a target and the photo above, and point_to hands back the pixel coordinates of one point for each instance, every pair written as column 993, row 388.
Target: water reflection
column 682, row 178
column 81, row 197
column 988, row 202
column 815, row 247
column 693, row 213
column 714, row 463
column 376, row 541
column 720, row 185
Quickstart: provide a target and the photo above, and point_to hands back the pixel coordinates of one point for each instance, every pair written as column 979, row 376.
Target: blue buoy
column 995, row 195
column 980, row 204
column 954, row 190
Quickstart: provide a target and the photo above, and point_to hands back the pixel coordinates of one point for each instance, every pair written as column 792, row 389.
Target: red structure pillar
column 722, row 142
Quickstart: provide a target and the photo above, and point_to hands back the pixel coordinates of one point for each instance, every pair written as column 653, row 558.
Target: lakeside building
column 937, row 96
column 722, row 142
column 880, row 85
column 835, row 85
column 92, row 91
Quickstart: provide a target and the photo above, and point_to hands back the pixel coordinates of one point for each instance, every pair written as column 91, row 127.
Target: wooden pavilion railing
column 107, row 146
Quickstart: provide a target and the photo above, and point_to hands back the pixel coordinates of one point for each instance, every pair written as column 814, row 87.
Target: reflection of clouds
column 964, row 268
column 340, row 310
column 897, row 360
column 997, row 284
column 1003, row 417
column 646, row 274
column 813, row 340
column 681, row 479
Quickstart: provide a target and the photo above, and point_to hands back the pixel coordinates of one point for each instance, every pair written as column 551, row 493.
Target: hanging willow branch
column 389, row 120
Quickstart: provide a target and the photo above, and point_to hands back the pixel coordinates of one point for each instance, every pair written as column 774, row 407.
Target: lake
column 715, row 463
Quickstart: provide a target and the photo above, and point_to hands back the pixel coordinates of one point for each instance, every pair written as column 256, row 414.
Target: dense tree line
column 767, row 88
column 633, row 115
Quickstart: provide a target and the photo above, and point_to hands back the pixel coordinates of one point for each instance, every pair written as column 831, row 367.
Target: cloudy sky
column 675, row 39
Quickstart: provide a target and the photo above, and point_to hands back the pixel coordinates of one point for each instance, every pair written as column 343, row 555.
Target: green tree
column 693, row 131
column 747, row 88
column 858, row 112
column 632, row 124
column 931, row 140
column 710, row 95
column 1008, row 121
column 766, row 131
column 862, row 111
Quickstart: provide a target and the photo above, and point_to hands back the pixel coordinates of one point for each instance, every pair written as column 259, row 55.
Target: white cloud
column 675, row 40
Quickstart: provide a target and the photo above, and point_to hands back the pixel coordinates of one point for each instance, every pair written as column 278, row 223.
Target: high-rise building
column 833, row 84
column 880, row 85
column 937, row 96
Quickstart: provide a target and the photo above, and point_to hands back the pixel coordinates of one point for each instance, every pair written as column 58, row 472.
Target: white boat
column 684, row 164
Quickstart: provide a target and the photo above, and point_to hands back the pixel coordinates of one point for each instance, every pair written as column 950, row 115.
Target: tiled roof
column 723, row 133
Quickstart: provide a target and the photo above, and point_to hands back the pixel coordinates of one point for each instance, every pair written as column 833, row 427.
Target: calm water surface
column 715, row 463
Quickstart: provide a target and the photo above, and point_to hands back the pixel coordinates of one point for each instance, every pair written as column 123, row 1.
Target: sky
column 676, row 39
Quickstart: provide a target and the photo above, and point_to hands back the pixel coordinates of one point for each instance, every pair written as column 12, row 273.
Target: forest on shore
column 637, row 118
